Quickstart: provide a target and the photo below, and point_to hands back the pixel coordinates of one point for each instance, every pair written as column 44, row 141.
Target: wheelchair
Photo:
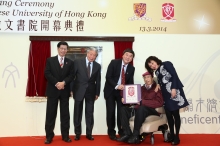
column 153, row 124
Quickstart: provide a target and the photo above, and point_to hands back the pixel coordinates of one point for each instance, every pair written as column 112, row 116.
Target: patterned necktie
column 88, row 69
column 61, row 62
column 123, row 75
column 122, row 78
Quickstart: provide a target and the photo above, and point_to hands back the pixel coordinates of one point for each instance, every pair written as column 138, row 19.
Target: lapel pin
column 66, row 62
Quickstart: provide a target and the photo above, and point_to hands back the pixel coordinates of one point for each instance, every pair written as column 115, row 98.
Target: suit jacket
column 113, row 75
column 82, row 83
column 54, row 74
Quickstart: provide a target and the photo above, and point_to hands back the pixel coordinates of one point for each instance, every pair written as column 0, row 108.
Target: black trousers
column 140, row 114
column 51, row 114
column 173, row 118
column 89, row 110
column 111, row 102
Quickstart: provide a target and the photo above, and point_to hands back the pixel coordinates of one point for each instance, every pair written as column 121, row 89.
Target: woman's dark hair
column 149, row 59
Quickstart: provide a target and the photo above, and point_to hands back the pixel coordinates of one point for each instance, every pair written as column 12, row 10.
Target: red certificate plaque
column 132, row 94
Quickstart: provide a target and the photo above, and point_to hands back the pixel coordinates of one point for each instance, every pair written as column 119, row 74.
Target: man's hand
column 71, row 94
column 157, row 88
column 122, row 100
column 96, row 97
column 173, row 93
column 60, row 85
column 120, row 87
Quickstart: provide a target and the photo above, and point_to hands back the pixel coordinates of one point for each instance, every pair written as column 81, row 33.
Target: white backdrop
column 195, row 57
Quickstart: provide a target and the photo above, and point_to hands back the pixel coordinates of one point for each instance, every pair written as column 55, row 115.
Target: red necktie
column 122, row 79
column 123, row 75
column 61, row 62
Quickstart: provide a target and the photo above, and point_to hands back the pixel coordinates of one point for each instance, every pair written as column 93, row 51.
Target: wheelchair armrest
column 160, row 110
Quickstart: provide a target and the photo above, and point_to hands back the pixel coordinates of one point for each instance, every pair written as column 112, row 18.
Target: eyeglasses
column 63, row 49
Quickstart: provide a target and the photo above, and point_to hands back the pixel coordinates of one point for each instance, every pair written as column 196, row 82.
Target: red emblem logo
column 168, row 12
column 131, row 91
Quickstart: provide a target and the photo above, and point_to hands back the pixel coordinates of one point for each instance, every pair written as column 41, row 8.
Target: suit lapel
column 94, row 67
column 57, row 64
column 118, row 69
column 83, row 62
column 65, row 64
column 127, row 73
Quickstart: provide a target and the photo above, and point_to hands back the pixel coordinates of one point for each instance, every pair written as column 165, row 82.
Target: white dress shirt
column 59, row 57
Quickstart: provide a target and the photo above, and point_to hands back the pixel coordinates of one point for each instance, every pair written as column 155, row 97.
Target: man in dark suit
column 59, row 74
column 87, row 80
column 118, row 69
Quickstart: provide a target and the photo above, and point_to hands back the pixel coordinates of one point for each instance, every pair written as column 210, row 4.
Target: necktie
column 123, row 75
column 88, row 69
column 61, row 62
column 122, row 79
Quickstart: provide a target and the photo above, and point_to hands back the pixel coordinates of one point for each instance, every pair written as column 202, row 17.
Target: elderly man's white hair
column 92, row 49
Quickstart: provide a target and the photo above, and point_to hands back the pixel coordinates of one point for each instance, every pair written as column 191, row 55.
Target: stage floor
column 103, row 140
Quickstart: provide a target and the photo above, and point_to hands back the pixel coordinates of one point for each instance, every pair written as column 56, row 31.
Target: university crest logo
column 168, row 12
column 131, row 91
column 139, row 12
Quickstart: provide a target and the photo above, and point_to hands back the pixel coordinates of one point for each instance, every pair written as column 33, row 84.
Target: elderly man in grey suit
column 87, row 80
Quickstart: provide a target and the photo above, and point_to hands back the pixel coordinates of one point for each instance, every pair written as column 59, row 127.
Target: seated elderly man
column 150, row 101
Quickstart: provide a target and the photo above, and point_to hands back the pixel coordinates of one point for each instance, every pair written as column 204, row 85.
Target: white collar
column 148, row 87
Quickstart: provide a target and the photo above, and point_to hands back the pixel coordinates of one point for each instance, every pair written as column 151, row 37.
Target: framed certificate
column 132, row 93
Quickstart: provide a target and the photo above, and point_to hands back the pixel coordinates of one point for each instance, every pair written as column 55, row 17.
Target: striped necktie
column 122, row 78
column 61, row 62
column 123, row 75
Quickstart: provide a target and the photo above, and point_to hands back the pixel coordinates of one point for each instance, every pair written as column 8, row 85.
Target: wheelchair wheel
column 163, row 127
column 166, row 135
column 152, row 139
column 163, row 132
column 141, row 138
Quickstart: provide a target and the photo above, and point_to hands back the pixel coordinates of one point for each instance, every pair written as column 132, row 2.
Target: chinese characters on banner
column 43, row 25
column 210, row 105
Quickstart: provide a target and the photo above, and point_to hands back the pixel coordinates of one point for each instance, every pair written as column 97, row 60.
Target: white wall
column 188, row 53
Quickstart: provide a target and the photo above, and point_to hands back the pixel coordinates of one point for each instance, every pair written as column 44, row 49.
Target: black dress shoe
column 77, row 137
column 113, row 137
column 123, row 138
column 134, row 139
column 121, row 132
column 67, row 139
column 175, row 142
column 169, row 139
column 47, row 141
column 89, row 137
